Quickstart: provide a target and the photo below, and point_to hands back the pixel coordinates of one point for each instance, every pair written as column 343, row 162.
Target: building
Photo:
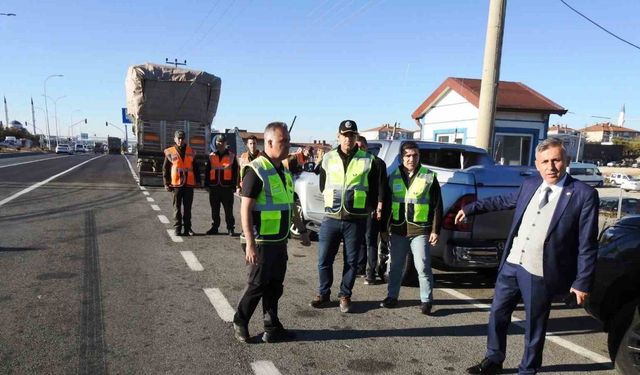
column 606, row 132
column 450, row 114
column 387, row 131
column 572, row 139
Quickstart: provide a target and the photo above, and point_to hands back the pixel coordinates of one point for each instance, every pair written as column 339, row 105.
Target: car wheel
column 624, row 339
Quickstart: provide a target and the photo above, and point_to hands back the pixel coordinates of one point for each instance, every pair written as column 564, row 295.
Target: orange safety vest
column 181, row 170
column 244, row 158
column 221, row 172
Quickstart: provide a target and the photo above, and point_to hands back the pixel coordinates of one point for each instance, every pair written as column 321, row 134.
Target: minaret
column 6, row 113
column 33, row 117
column 621, row 117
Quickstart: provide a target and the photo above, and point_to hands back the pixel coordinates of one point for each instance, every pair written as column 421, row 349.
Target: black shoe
column 426, row 307
column 277, row 335
column 231, row 233
column 177, row 232
column 389, row 303
column 321, row 300
column 241, row 333
column 212, row 231
column 188, row 232
column 486, row 367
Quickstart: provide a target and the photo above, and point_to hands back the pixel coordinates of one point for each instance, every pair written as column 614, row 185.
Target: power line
column 215, row 4
column 595, row 23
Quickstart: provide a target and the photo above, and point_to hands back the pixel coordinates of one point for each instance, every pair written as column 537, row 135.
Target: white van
column 587, row 173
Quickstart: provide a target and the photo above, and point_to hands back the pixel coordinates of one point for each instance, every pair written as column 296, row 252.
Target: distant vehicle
column 153, row 93
column 98, row 148
column 619, row 178
column 587, row 173
column 114, row 145
column 615, row 296
column 614, row 164
column 80, row 148
column 63, row 149
column 631, row 185
column 635, row 165
column 609, row 206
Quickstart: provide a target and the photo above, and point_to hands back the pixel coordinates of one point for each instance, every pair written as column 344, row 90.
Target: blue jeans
column 399, row 249
column 332, row 233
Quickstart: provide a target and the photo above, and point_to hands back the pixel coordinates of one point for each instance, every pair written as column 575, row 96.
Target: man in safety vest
column 180, row 174
column 221, row 181
column 415, row 217
column 266, row 212
column 349, row 182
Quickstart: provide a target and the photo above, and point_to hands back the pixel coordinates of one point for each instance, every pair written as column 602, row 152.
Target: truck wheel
column 624, row 339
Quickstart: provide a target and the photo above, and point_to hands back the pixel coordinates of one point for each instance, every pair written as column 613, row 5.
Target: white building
column 387, row 131
column 450, row 114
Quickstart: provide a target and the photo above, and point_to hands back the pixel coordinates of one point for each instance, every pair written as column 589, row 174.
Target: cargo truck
column 162, row 99
column 114, row 144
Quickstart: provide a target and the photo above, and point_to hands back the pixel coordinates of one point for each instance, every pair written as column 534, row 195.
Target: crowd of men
column 365, row 201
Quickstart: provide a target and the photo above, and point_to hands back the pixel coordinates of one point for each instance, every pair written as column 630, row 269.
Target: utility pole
column 175, row 62
column 33, row 117
column 490, row 74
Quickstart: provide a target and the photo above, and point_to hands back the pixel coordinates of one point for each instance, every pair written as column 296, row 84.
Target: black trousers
column 222, row 195
column 265, row 281
column 368, row 253
column 182, row 201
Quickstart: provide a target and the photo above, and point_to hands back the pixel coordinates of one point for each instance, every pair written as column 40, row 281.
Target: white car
column 619, row 178
column 631, row 185
column 64, row 149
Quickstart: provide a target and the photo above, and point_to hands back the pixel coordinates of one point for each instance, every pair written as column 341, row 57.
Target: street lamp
column 46, row 108
column 126, row 136
column 71, row 122
column 55, row 109
column 74, row 124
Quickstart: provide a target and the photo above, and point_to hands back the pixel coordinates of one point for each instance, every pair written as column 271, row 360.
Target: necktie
column 545, row 197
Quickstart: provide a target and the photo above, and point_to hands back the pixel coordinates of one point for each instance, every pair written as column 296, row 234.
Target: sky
column 372, row 61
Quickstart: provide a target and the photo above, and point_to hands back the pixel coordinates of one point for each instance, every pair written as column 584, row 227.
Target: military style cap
column 348, row 126
column 179, row 134
column 219, row 139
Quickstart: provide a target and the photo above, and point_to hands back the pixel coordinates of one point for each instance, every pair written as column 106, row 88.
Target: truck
column 162, row 99
column 466, row 174
column 114, row 144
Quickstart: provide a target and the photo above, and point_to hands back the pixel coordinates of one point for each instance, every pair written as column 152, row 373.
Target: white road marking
column 155, row 207
column 145, row 193
column 34, row 161
column 163, row 219
column 174, row 238
column 192, row 261
column 38, row 184
column 220, row 303
column 264, row 368
column 551, row 336
column 149, row 199
column 133, row 172
column 142, row 188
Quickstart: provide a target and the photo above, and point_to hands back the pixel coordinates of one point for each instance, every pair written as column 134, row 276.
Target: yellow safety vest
column 272, row 211
column 410, row 205
column 346, row 190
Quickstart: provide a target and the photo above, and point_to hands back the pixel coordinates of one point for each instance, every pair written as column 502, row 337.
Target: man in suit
column 551, row 249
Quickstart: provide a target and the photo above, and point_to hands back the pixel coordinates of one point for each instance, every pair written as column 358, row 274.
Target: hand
column 250, row 254
column 305, row 239
column 168, row 188
column 384, row 236
column 460, row 216
column 580, row 296
column 433, row 239
column 238, row 190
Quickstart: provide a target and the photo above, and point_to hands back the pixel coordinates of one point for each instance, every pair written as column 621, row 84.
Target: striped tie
column 545, row 197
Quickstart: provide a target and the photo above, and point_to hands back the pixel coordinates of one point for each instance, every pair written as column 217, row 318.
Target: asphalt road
column 91, row 282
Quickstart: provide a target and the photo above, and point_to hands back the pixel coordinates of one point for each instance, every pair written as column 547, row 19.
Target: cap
column 348, row 126
column 179, row 134
column 219, row 139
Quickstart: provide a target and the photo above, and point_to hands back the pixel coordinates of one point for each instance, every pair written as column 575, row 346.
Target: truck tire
column 623, row 340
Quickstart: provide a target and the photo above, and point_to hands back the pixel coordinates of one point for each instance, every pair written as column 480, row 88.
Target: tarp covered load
column 161, row 92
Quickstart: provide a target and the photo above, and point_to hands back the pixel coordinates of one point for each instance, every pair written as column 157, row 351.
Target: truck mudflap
column 473, row 254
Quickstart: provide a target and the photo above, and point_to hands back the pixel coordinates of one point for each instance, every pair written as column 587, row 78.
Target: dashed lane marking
column 145, row 192
column 264, row 368
column 163, row 219
column 174, row 238
column 155, row 207
column 38, row 184
column 34, row 161
column 192, row 261
column 551, row 336
column 220, row 303
column 149, row 199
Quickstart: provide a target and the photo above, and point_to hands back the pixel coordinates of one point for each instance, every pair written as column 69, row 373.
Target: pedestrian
column 368, row 255
column 266, row 212
column 252, row 152
column 349, row 183
column 181, row 175
column 551, row 249
column 414, row 220
column 221, row 182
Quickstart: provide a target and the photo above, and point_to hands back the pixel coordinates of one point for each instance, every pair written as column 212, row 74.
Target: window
column 452, row 158
column 443, row 138
column 512, row 149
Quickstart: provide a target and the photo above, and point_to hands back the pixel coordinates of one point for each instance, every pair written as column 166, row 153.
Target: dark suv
column 615, row 296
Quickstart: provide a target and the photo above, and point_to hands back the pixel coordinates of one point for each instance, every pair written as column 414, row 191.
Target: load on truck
column 114, row 144
column 162, row 99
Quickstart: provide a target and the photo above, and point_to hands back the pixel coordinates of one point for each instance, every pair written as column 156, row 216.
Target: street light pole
column 46, row 108
column 74, row 124
column 126, row 136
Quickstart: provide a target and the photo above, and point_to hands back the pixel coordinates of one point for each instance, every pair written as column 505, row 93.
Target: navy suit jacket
column 571, row 243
